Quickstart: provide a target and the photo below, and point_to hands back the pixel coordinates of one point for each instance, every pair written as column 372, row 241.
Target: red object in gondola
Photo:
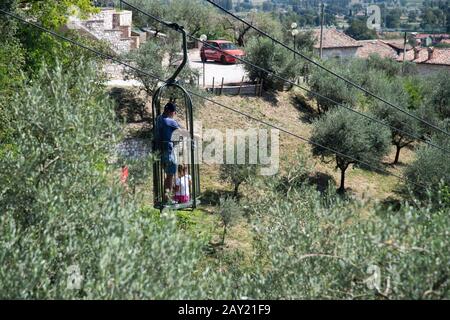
column 124, row 175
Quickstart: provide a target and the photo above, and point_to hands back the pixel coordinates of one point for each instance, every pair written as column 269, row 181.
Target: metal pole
column 240, row 87
column 321, row 30
column 404, row 49
column 204, row 76
column 194, row 171
column 295, row 56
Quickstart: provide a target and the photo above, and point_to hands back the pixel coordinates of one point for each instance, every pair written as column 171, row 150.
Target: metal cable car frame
column 158, row 170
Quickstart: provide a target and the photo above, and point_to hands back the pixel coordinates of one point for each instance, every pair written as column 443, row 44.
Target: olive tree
column 408, row 128
column 229, row 212
column 438, row 95
column 243, row 33
column 349, row 134
column 431, row 169
column 237, row 174
column 264, row 53
column 389, row 66
column 332, row 90
column 238, row 169
column 193, row 15
column 149, row 57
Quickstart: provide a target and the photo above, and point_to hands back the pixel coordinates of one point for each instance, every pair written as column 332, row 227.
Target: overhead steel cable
column 412, row 135
column 329, row 70
column 109, row 57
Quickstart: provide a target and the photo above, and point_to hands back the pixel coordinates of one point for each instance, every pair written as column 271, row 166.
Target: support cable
column 329, row 70
column 412, row 135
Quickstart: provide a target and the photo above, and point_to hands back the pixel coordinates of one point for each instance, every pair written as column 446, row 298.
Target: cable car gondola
column 184, row 146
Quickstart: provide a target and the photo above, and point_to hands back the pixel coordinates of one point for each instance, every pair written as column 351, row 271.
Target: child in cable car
column 182, row 185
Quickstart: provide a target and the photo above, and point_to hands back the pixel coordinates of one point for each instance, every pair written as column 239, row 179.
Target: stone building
column 336, row 44
column 429, row 60
column 110, row 25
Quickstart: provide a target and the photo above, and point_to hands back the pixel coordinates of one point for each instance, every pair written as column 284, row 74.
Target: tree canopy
column 359, row 31
column 262, row 52
column 349, row 134
column 430, row 172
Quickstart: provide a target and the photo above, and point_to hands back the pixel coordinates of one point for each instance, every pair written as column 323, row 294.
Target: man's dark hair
column 170, row 107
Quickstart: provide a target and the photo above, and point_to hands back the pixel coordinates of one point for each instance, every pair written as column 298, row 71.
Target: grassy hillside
column 289, row 110
column 292, row 111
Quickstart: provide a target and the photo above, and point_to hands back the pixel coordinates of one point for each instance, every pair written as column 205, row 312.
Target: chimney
column 430, row 53
column 416, row 53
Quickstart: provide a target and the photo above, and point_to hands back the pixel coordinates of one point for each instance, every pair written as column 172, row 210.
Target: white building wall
column 338, row 52
column 126, row 18
column 427, row 69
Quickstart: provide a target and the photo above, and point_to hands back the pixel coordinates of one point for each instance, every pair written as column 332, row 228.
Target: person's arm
column 180, row 131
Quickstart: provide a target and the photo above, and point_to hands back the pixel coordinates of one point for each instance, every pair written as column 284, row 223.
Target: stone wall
column 114, row 71
column 113, row 27
column 106, row 16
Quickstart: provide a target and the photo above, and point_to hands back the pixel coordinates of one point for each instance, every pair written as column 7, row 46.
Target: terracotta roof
column 333, row 38
column 370, row 47
column 441, row 56
column 421, row 36
column 398, row 44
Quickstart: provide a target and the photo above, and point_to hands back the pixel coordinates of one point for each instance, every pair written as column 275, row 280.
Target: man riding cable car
column 166, row 125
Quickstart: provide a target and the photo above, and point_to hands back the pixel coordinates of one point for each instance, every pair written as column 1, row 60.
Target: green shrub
column 329, row 87
column 359, row 31
column 59, row 213
column 236, row 172
column 431, row 169
column 408, row 126
column 438, row 95
column 229, row 211
column 264, row 53
column 308, row 247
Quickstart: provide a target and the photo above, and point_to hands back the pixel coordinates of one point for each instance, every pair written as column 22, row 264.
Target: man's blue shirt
column 165, row 127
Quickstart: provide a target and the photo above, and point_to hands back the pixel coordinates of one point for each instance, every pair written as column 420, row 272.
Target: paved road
column 232, row 73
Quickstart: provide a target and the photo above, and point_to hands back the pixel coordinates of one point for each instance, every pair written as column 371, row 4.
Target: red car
column 223, row 55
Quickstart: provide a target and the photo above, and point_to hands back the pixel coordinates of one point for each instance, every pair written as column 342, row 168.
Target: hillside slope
column 284, row 110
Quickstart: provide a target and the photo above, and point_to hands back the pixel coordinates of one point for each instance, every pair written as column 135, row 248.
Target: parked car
column 223, row 55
